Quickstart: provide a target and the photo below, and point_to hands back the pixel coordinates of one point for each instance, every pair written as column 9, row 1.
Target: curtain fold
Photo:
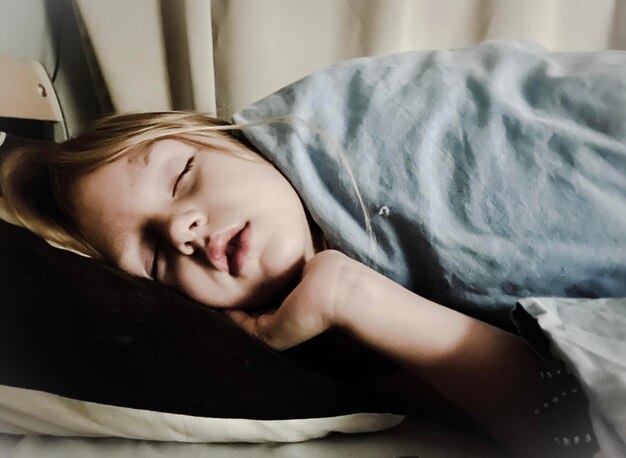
column 200, row 42
column 218, row 56
column 127, row 38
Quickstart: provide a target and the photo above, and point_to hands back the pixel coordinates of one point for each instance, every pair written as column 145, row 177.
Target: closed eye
column 188, row 167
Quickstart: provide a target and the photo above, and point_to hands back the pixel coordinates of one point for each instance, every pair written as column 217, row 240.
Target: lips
column 227, row 249
column 237, row 250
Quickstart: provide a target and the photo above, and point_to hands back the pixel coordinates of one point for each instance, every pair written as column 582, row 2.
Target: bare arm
column 489, row 373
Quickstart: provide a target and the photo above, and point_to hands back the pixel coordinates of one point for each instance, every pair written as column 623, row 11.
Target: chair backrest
column 26, row 91
column 28, row 103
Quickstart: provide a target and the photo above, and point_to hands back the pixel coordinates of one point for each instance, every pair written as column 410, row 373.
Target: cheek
column 200, row 283
column 254, row 183
column 282, row 253
column 220, row 290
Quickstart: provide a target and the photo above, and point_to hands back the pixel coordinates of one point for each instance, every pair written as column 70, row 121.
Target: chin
column 271, row 292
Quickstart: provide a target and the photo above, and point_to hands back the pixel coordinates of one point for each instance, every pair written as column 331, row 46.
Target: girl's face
column 226, row 231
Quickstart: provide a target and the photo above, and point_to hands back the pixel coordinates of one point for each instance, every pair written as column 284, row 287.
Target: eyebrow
column 146, row 154
column 142, row 156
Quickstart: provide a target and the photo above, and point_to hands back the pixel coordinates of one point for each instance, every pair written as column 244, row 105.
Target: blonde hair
column 36, row 182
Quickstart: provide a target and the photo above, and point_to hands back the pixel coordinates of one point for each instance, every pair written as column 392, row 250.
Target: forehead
column 97, row 189
column 108, row 205
column 130, row 172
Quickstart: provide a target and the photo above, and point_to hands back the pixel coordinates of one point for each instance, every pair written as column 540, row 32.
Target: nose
column 184, row 231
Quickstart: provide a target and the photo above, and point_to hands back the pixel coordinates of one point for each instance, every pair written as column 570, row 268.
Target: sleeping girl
column 397, row 199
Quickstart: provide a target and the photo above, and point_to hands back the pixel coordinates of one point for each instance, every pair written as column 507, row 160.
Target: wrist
column 358, row 288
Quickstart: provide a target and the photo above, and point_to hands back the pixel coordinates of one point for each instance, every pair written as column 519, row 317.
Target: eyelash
column 188, row 167
column 155, row 257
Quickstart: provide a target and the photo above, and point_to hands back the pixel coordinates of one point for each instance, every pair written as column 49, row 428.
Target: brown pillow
column 74, row 330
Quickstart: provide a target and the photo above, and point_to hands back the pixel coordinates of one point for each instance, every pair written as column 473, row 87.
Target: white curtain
column 218, row 56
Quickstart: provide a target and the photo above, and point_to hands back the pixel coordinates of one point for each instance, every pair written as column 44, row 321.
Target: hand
column 310, row 309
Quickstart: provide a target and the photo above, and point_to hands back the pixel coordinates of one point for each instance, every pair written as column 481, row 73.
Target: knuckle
column 265, row 333
column 276, row 340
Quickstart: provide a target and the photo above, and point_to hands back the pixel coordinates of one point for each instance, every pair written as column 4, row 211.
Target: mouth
column 227, row 249
column 237, row 249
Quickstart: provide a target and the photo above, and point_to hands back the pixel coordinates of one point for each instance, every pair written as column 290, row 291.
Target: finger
column 287, row 326
column 236, row 315
column 271, row 328
column 242, row 319
column 260, row 325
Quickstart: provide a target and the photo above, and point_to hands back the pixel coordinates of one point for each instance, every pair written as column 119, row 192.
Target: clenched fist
column 328, row 279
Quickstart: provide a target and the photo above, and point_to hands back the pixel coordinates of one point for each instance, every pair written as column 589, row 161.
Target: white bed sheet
column 417, row 436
